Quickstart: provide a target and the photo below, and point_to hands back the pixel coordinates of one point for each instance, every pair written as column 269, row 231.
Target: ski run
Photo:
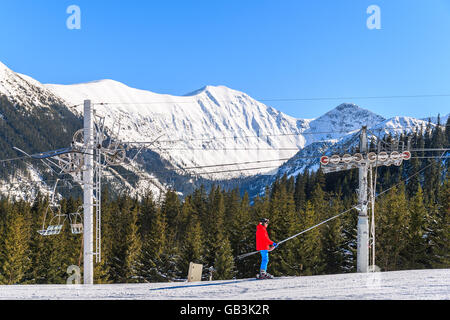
column 395, row 285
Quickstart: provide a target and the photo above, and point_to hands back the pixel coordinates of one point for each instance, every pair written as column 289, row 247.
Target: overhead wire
column 281, row 99
column 206, row 139
column 339, row 214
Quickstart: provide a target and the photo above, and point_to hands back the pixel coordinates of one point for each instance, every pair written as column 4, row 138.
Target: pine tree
column 391, row 225
column 133, row 246
column 309, row 247
column 439, row 237
column 300, row 195
column 192, row 245
column 415, row 251
column 222, row 255
column 171, row 207
column 223, row 260
column 13, row 248
column 333, row 252
column 152, row 249
column 126, row 243
column 285, row 261
column 241, row 228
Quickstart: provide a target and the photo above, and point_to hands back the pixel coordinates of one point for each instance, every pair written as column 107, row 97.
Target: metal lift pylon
column 364, row 161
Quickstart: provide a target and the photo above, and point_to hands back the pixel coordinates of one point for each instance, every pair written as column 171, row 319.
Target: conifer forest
column 149, row 239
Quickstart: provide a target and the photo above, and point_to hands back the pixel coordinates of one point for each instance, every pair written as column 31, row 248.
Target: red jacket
column 262, row 238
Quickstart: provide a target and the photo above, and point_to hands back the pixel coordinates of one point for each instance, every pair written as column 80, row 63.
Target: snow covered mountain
column 213, row 125
column 308, row 157
column 24, row 90
column 34, row 119
column 345, row 118
column 30, row 118
column 194, row 133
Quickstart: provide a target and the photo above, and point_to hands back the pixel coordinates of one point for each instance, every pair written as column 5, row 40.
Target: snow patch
column 394, row 285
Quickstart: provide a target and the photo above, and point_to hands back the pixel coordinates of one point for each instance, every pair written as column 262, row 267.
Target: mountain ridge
column 214, row 125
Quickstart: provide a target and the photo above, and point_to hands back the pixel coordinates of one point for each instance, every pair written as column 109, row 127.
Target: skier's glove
column 274, row 245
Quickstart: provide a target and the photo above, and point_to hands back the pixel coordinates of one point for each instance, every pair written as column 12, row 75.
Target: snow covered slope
column 210, row 126
column 308, row 157
column 345, row 118
column 233, row 117
column 394, row 285
column 25, row 90
column 243, row 129
column 26, row 110
column 34, row 119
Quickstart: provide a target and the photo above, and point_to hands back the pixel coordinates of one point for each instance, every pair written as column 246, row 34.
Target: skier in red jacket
column 264, row 245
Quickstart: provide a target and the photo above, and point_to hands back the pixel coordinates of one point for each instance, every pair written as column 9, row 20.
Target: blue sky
column 268, row 49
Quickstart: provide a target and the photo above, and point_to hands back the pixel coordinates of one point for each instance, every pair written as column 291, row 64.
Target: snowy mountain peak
column 216, row 91
column 350, row 110
column 347, row 107
column 210, row 112
column 25, row 90
column 345, row 118
column 401, row 124
column 5, row 72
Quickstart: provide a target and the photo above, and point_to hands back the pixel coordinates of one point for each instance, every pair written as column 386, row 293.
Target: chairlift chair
column 56, row 222
column 76, row 226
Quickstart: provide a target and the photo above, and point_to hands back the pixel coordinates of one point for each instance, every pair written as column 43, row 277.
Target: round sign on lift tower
column 324, row 160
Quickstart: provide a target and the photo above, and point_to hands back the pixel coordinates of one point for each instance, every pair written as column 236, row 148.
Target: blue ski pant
column 264, row 259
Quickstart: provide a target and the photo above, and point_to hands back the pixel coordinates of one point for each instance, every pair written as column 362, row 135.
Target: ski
column 265, row 277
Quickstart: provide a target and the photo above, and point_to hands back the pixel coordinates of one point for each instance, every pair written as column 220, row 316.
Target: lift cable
column 339, row 214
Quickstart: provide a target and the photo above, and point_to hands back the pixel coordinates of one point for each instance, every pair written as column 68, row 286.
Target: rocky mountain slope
column 213, row 135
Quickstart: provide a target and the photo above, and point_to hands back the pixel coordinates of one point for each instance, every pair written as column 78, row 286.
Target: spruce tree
column 309, row 248
column 415, row 250
column 222, row 255
column 288, row 223
column 391, row 229
column 13, row 248
column 223, row 259
column 192, row 245
column 333, row 250
column 439, row 237
column 242, row 233
column 153, row 250
column 125, row 245
column 299, row 193
column 133, row 246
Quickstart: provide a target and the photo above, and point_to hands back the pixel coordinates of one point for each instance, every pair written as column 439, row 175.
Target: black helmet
column 264, row 220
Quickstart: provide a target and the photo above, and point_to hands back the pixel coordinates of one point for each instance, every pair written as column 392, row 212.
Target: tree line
column 154, row 240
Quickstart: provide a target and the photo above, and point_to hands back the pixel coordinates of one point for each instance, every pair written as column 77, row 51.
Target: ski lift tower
column 96, row 157
column 88, row 195
column 364, row 161
column 84, row 160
